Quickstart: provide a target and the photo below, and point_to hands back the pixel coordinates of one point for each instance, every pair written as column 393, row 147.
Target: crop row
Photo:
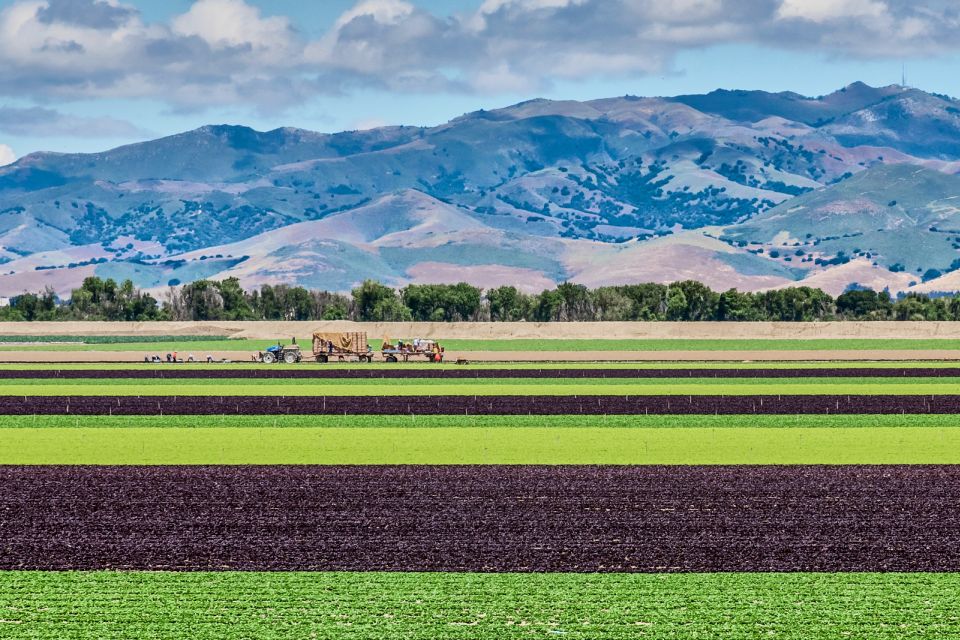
column 399, row 393
column 468, row 518
column 477, row 444
column 93, row 340
column 181, row 373
column 417, row 606
column 758, row 422
column 478, row 405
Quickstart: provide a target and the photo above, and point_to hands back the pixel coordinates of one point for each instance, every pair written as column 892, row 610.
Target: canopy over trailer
column 341, row 345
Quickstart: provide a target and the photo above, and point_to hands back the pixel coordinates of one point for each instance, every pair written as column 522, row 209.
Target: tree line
column 105, row 299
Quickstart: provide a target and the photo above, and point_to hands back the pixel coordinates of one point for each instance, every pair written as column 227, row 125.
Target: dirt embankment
column 503, row 330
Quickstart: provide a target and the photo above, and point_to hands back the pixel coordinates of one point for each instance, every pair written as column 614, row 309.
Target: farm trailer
column 342, row 345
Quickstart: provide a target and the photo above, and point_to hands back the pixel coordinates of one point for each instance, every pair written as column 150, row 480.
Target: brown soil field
column 504, row 330
column 533, row 356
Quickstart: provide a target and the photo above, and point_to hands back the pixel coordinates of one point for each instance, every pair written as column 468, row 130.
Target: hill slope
column 543, row 189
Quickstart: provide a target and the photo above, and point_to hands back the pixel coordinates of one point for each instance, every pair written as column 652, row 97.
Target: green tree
column 677, row 306
column 390, row 310
column 649, row 301
column 508, row 304
column 236, row 303
column 864, row 304
column 701, row 301
column 739, row 306
column 442, row 302
column 611, row 303
column 370, row 295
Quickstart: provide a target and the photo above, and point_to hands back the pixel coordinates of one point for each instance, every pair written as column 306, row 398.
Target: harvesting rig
column 342, row 346
column 418, row 347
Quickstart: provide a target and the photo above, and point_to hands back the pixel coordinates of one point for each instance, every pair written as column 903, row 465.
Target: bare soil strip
column 504, row 519
column 811, row 355
column 479, row 405
column 172, row 373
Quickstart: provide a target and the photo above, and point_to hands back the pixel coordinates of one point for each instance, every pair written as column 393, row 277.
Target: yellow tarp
column 352, row 341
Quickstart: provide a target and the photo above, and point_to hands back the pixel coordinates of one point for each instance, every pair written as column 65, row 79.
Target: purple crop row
column 477, row 405
column 165, row 372
column 489, row 518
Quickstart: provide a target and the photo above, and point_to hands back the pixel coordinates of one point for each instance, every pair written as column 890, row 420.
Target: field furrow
column 486, row 519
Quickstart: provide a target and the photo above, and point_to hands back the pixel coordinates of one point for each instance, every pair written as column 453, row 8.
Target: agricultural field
column 209, row 343
column 592, row 501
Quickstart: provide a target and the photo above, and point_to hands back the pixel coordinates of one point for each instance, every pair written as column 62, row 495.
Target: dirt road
column 536, row 356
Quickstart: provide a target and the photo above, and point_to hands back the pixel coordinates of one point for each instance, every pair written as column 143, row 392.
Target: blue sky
column 86, row 75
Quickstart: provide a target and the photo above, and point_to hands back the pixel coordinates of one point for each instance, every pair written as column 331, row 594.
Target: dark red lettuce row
column 482, row 518
column 477, row 405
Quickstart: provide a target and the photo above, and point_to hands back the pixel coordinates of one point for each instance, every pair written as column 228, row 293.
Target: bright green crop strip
column 484, row 421
column 101, row 340
column 278, row 385
column 458, row 606
column 480, row 445
column 857, row 344
column 544, row 387
column 677, row 344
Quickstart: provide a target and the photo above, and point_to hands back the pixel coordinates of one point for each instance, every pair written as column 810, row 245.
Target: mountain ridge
column 610, row 181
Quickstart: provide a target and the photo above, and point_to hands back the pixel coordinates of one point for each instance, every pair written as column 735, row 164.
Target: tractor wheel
column 290, row 357
column 391, row 358
column 269, row 358
column 322, row 357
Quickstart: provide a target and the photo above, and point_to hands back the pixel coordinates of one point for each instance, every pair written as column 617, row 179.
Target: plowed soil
column 530, row 518
column 477, row 405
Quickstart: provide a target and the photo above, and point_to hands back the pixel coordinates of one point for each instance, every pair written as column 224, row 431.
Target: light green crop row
column 673, row 344
column 711, row 422
column 553, row 445
column 457, row 606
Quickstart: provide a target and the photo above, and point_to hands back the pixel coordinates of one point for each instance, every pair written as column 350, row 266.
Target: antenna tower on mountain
column 903, row 75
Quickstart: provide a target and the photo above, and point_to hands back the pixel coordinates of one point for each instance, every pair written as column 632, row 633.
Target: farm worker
column 190, row 358
column 169, row 358
column 329, row 346
column 209, row 359
column 175, row 356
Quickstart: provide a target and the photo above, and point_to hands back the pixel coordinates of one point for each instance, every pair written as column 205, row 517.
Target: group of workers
column 172, row 358
column 417, row 346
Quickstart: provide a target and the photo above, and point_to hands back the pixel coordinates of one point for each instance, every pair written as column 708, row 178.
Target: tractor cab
column 288, row 354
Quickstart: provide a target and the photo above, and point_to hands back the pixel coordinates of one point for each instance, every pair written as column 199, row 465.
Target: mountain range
column 743, row 189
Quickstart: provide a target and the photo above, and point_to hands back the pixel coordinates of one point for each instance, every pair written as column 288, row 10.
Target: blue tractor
column 281, row 353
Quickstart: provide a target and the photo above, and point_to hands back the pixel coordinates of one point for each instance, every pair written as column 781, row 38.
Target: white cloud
column 231, row 52
column 824, row 10
column 234, row 23
column 6, row 155
column 383, row 11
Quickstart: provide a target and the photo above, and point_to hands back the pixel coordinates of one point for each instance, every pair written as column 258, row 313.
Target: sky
column 88, row 75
